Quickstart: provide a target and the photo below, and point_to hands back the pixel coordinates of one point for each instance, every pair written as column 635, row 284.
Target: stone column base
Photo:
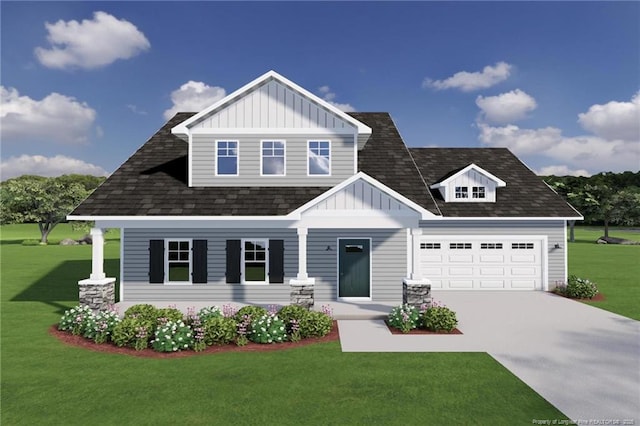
column 99, row 295
column 302, row 292
column 416, row 292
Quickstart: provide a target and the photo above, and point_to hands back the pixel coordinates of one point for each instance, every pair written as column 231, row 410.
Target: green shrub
column 77, row 320
column 172, row 336
column 133, row 332
column 209, row 312
column 171, row 314
column 100, row 327
column 267, row 329
column 439, row 318
column 253, row 312
column 293, row 313
column 580, row 288
column 143, row 311
column 219, row 330
column 315, row 324
column 404, row 317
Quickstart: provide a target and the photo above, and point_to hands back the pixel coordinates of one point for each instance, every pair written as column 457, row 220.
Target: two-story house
column 272, row 194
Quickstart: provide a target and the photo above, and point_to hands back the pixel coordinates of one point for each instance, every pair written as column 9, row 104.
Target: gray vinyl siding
column 136, row 267
column 554, row 230
column 204, row 158
column 388, row 262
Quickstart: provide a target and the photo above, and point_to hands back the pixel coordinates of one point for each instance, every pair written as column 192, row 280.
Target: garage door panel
column 482, row 263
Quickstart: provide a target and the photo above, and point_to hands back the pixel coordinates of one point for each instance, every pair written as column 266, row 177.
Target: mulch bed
column 419, row 331
column 81, row 342
column 597, row 298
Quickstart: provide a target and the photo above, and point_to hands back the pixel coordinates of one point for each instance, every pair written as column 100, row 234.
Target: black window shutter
column 156, row 261
column 233, row 261
column 276, row 261
column 199, row 262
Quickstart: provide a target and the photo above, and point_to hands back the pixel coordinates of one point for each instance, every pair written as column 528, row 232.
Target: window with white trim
column 522, row 246
column 227, row 158
column 478, row 192
column 178, row 261
column 430, row 246
column 460, row 246
column 254, row 261
column 273, row 158
column 319, row 158
column 491, row 246
column 462, row 192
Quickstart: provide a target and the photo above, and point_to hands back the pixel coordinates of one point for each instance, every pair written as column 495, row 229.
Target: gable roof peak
column 472, row 166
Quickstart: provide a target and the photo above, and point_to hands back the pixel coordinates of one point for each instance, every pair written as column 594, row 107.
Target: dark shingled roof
column 153, row 181
column 525, row 195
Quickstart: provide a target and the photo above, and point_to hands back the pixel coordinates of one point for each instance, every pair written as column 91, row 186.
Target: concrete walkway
column 583, row 360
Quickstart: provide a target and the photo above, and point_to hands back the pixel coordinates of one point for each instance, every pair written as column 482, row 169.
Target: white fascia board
column 377, row 184
column 499, row 182
column 507, row 218
column 183, row 128
column 279, row 131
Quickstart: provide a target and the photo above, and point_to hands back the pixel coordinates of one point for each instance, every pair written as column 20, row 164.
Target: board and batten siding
column 135, row 267
column 204, row 159
column 554, row 230
column 360, row 195
column 388, row 262
column 273, row 105
column 470, row 179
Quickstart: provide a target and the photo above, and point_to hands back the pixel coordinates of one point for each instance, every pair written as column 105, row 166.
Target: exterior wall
column 273, row 105
column 470, row 179
column 554, row 230
column 136, row 267
column 388, row 262
column 204, row 158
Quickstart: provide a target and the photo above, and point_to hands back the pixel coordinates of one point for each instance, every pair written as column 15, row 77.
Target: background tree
column 36, row 199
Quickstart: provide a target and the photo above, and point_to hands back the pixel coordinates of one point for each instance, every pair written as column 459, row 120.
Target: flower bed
column 577, row 288
column 145, row 328
column 434, row 318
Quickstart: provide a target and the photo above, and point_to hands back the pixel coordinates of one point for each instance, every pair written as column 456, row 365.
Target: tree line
column 603, row 199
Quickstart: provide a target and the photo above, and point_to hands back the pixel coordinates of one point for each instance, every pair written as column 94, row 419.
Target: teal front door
column 354, row 265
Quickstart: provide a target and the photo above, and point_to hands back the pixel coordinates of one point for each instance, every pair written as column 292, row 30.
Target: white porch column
column 416, row 234
column 97, row 254
column 302, row 254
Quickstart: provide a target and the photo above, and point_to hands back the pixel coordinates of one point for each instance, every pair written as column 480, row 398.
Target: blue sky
column 84, row 84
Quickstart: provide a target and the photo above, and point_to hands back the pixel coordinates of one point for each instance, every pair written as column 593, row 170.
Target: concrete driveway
column 584, row 360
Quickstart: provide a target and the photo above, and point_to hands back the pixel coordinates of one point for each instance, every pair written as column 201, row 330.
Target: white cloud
column 193, row 96
column 561, row 170
column 470, row 81
column 614, row 120
column 56, row 117
column 506, row 107
column 91, row 43
column 47, row 166
column 329, row 96
column 134, row 109
column 520, row 141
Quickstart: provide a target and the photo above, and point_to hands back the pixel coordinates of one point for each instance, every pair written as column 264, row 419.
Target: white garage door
column 491, row 263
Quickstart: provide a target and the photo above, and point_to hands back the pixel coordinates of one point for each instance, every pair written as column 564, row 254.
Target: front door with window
column 354, row 265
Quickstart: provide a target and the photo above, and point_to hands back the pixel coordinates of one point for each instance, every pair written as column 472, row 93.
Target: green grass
column 614, row 268
column 45, row 382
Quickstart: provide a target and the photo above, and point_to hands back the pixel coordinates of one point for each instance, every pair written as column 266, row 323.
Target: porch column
column 302, row 254
column 97, row 254
column 416, row 234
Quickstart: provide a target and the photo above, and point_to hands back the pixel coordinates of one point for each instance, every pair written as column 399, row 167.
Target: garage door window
column 491, row 246
column 430, row 246
column 522, row 246
column 460, row 246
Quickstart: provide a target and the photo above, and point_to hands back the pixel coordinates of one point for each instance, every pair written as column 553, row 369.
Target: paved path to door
column 584, row 360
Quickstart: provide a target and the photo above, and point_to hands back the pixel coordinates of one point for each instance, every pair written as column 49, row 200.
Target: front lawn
column 615, row 268
column 46, row 382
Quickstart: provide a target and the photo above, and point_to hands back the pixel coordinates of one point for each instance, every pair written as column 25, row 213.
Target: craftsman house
column 272, row 193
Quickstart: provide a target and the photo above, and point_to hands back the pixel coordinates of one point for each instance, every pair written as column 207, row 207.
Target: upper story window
column 273, row 158
column 227, row 158
column 478, row 192
column 319, row 158
column 462, row 192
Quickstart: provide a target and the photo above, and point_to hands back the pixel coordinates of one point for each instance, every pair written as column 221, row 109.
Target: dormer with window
column 272, row 132
column 471, row 184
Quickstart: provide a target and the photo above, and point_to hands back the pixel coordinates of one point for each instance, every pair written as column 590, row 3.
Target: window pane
column 184, row 245
column 318, row 165
column 173, row 255
column 259, row 245
column 254, row 272
column 249, row 255
column 178, row 272
column 184, row 255
column 248, row 245
column 260, row 255
column 227, row 165
column 273, row 165
column 173, row 245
